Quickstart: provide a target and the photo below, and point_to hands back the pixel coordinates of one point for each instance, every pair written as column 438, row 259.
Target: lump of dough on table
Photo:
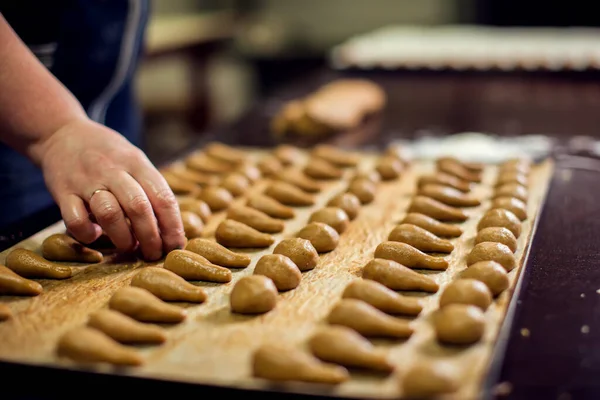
column 382, row 298
column 236, row 183
column 300, row 251
column 419, row 238
column 448, row 195
column 270, row 206
column 217, row 198
column 235, row 234
column 432, row 225
column 143, row 306
column 398, row 277
column 253, row 294
column 459, row 324
column 289, row 195
column 498, row 217
column 320, row 169
column 217, row 254
column 193, row 267
column 490, row 251
column 467, row 291
column 425, row 380
column 280, row 269
column 363, row 188
column 62, row 247
column 489, row 272
column 255, row 219
column 167, row 286
column 15, row 285
column 322, row 236
column 332, row 216
column 28, row 264
column 192, row 224
column 347, row 202
column 497, row 234
column 125, row 329
column 389, row 168
column 409, row 256
column 436, row 209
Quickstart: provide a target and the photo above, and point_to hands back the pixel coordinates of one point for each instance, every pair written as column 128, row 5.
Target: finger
column 164, row 204
column 110, row 217
column 77, row 219
column 138, row 209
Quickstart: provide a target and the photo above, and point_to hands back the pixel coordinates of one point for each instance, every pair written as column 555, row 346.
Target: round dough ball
column 332, row 216
column 300, row 251
column 490, row 251
column 459, row 324
column 489, row 272
column 497, row 234
column 322, row 236
column 498, row 217
column 467, row 291
column 347, row 202
column 282, row 271
column 515, row 206
column 254, row 294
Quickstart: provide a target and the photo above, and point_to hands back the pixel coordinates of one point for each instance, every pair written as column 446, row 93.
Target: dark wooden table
column 558, row 301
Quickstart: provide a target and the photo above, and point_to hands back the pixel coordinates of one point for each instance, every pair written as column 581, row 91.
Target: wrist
column 39, row 150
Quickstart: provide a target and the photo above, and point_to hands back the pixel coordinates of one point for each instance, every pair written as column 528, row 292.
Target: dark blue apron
column 92, row 47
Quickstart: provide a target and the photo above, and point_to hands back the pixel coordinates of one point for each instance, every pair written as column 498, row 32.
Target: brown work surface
column 213, row 346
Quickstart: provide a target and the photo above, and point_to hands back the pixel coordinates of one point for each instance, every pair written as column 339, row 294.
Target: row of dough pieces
column 363, row 310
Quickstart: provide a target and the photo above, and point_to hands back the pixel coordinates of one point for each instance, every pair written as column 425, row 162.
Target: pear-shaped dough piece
column 347, row 202
column 515, row 206
column 181, row 186
column 289, row 195
column 225, row 153
column 300, row 251
column 235, row 234
column 467, row 291
column 449, row 196
column 420, row 239
column 336, row 156
column 498, row 217
column 432, row 225
column 62, row 247
column 382, row 298
column 89, row 345
column 322, row 236
column 455, row 168
column 364, row 189
column 198, row 207
column 472, row 166
column 254, row 294
column 368, row 320
column 520, row 164
column 255, row 219
column 125, row 329
column 5, row 312
column 426, row 380
column 28, row 264
column 446, row 180
column 217, row 254
column 14, row 285
column 192, row 224
column 512, row 176
column 280, row 269
column 332, row 216
column 209, row 165
column 195, row 177
column 284, row 363
column 143, row 306
column 409, row 256
column 490, row 251
column 167, row 285
column 459, row 324
column 370, row 175
column 512, row 190
column 250, row 171
column 270, row 206
column 287, row 154
column 498, row 235
column 320, row 169
column 193, row 267
column 300, row 180
column 236, row 183
column 436, row 209
column 217, row 198
column 398, row 277
column 489, row 272
column 344, row 346
column 389, row 168
column 269, row 165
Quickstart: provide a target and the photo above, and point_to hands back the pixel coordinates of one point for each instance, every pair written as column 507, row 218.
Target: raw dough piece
column 332, row 216
column 364, row 189
column 217, row 198
column 455, row 168
column 513, row 205
column 336, row 156
column 284, row 363
column 236, row 183
column 459, row 324
column 254, row 294
column 255, row 219
column 225, row 153
column 409, row 256
column 397, row 151
column 192, row 224
column 289, row 195
column 28, row 264
column 436, row 209
column 512, row 176
column 235, row 234
column 14, row 285
column 368, row 320
column 5, row 312
column 500, row 218
column 512, row 190
column 299, row 179
column 475, row 167
column 432, row 225
column 198, row 207
column 181, row 186
column 389, row 168
column 382, row 298
column 498, row 235
column 398, row 277
column 88, row 345
column 489, row 272
column 280, row 269
column 287, row 154
column 143, row 306
column 467, row 291
column 182, row 172
column 420, row 239
column 449, row 196
column 206, row 164
column 194, row 267
column 217, row 254
column 322, row 236
column 490, row 251
column 427, row 380
column 167, row 285
column 300, row 251
column 270, row 206
column 347, row 202
column 125, row 329
column 269, row 165
column 344, row 346
column 370, row 175
column 62, row 247
column 516, row 164
column 250, row 171
column 446, row 180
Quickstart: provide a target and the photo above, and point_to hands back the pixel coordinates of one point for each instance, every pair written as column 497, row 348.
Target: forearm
column 33, row 103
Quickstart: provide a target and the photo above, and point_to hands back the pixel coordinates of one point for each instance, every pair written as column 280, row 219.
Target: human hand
column 91, row 168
